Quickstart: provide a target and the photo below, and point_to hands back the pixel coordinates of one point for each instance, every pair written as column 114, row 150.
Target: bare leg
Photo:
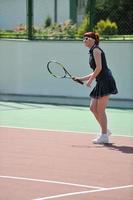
column 98, row 106
column 93, row 108
column 101, row 106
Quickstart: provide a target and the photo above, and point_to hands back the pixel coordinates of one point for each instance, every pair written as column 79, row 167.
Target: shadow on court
column 110, row 146
column 123, row 149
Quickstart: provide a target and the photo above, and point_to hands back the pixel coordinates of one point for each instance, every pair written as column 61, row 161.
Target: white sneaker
column 102, row 139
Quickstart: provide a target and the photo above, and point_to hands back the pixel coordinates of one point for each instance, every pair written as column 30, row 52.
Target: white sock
column 105, row 134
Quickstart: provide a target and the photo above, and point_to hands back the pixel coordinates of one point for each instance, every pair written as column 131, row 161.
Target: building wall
column 81, row 5
column 23, row 69
column 13, row 12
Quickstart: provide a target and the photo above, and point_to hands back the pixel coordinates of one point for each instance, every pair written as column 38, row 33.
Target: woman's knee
column 93, row 109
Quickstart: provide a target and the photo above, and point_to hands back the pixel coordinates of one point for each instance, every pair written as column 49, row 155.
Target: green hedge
column 67, row 31
column 106, row 27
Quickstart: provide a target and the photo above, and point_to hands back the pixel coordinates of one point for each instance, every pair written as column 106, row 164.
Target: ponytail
column 97, row 38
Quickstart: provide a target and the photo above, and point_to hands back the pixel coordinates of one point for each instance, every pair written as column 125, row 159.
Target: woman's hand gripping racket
column 58, row 70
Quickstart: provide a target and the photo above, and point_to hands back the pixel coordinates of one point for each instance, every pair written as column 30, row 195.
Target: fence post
column 30, row 19
column 55, row 11
column 73, row 10
column 92, row 14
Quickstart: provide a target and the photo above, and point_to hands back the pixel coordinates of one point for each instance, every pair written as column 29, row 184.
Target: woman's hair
column 93, row 35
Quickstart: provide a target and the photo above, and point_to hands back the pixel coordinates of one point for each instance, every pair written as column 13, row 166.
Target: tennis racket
column 58, row 70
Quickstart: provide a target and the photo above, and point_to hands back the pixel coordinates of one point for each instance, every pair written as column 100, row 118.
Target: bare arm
column 84, row 78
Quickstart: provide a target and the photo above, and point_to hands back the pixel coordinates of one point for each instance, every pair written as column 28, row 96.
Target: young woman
column 105, row 84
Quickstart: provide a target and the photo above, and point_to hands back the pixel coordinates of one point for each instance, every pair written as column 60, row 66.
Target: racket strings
column 56, row 70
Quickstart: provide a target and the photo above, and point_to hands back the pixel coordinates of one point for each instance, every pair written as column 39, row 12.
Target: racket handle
column 80, row 82
column 77, row 80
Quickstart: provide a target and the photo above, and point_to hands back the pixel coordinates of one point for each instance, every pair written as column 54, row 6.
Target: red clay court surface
column 41, row 165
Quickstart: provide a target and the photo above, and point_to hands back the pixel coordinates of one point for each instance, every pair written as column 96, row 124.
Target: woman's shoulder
column 97, row 49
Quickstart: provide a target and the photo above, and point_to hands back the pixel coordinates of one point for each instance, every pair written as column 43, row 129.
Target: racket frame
column 66, row 72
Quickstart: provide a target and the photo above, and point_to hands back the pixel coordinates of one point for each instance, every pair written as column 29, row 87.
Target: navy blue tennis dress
column 105, row 83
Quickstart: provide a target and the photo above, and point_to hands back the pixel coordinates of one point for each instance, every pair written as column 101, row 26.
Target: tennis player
column 105, row 84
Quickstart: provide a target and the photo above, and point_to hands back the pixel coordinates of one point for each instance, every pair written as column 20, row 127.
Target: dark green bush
column 48, row 22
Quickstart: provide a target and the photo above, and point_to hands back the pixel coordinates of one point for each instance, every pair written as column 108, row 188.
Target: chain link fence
column 66, row 19
column 118, row 11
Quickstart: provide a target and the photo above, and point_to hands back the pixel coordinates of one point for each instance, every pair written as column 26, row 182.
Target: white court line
column 60, row 131
column 96, row 189
column 84, row 192
column 50, row 181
